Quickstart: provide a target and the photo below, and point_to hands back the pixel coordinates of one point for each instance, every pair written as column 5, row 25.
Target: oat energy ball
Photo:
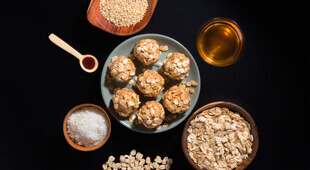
column 177, row 99
column 126, row 101
column 122, row 68
column 176, row 66
column 150, row 83
column 147, row 51
column 151, row 114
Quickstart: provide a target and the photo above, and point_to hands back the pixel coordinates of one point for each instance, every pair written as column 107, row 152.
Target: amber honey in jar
column 220, row 42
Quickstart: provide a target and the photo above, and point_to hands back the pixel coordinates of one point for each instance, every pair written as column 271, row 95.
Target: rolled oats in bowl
column 177, row 99
column 122, row 68
column 150, row 83
column 147, row 51
column 151, row 115
column 125, row 101
column 176, row 66
column 219, row 139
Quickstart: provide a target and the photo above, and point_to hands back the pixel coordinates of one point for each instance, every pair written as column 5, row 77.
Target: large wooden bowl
column 70, row 141
column 95, row 17
column 234, row 108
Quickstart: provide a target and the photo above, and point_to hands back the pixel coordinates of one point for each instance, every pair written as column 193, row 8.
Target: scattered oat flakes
column 131, row 82
column 136, row 161
column 112, row 88
column 170, row 116
column 167, row 80
column 109, row 78
column 165, row 160
column 163, row 48
column 193, row 83
column 188, row 84
column 133, row 152
column 137, row 121
column 131, row 57
column 165, row 125
column 148, row 160
column 139, row 155
column 158, row 159
column 191, row 91
column 131, row 118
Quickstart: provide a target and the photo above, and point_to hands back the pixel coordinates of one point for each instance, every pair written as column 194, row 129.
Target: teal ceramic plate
column 126, row 48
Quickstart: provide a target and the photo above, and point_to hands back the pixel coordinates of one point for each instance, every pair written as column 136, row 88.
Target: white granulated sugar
column 87, row 126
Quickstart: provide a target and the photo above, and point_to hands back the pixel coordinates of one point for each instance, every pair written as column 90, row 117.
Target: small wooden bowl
column 96, row 18
column 69, row 140
column 234, row 108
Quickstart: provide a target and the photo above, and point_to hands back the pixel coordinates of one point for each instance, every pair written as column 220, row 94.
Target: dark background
column 40, row 83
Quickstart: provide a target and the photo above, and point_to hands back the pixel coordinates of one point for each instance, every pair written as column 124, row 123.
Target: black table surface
column 40, row 83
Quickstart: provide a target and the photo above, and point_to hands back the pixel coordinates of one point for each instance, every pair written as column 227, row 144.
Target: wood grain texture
column 234, row 108
column 95, row 18
column 83, row 148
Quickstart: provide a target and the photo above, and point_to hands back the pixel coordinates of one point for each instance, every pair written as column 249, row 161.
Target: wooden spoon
column 96, row 18
column 88, row 62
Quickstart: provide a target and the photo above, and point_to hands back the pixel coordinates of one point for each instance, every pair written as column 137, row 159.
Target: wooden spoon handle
column 60, row 43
